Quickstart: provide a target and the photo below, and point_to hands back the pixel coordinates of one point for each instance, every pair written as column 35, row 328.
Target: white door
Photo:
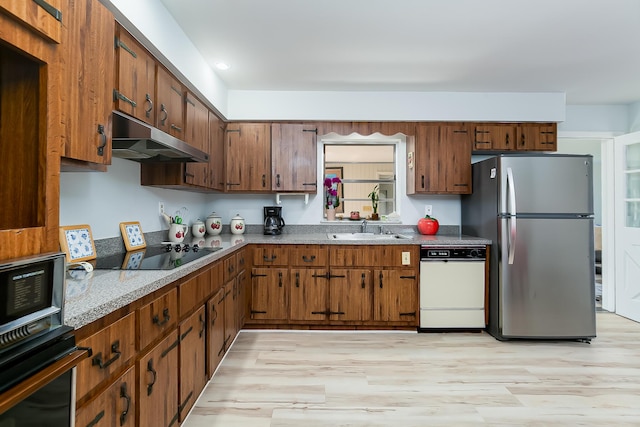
column 627, row 225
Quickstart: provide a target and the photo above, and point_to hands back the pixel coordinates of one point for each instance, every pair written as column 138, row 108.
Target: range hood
column 137, row 141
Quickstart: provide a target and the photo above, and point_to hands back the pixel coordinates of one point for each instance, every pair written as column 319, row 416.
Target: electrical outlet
column 161, row 207
column 406, row 258
column 428, row 210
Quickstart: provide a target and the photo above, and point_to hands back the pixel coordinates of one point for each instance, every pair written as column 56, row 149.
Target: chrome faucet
column 363, row 226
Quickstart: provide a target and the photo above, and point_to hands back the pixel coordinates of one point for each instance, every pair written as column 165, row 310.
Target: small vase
column 375, row 216
column 331, row 214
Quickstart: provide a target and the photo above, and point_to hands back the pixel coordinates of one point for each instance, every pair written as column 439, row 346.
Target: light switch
column 406, row 258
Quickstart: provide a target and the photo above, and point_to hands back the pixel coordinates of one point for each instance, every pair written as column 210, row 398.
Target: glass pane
column 633, row 214
column 633, row 185
column 632, row 156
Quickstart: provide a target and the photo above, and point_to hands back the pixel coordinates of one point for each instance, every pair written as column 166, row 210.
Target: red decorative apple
column 428, row 225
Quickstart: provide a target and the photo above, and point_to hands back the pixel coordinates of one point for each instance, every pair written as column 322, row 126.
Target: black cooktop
column 157, row 257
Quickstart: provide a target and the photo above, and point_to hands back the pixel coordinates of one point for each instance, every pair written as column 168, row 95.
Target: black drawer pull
column 258, row 275
column 308, row 259
column 165, row 315
column 184, row 404
column 97, row 419
column 408, row 277
column 155, row 377
column 97, row 359
column 270, row 259
column 124, row 395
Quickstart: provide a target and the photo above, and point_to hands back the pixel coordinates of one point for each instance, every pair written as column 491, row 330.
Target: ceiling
column 589, row 50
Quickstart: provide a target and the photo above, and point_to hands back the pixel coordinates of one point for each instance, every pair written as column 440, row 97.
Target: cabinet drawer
column 113, row 407
column 373, row 256
column 241, row 260
column 309, row 256
column 157, row 317
column 271, row 255
column 111, row 348
column 194, row 291
column 229, row 268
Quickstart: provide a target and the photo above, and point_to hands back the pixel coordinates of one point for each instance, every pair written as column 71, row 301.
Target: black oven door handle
column 97, row 359
column 127, row 398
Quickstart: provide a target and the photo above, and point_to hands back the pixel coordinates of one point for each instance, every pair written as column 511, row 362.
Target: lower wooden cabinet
column 350, row 295
column 157, row 392
column 215, row 331
column 395, row 296
column 193, row 364
column 269, row 294
column 116, row 406
column 309, row 298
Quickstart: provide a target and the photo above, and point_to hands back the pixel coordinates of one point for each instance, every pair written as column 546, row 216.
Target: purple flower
column 327, row 182
column 336, row 180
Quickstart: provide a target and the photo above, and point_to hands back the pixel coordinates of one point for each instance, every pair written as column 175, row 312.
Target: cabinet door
column 537, row 137
column 215, row 331
column 193, row 292
column 88, row 82
column 269, row 296
column 136, row 79
column 309, row 294
column 270, row 255
column 428, row 175
column 241, row 299
column 216, row 179
column 193, row 364
column 395, row 296
column 47, row 24
column 158, row 316
column 197, row 135
column 230, row 329
column 116, row 406
column 455, row 157
column 293, row 154
column 248, row 155
column 170, row 104
column 350, row 295
column 498, row 137
column 158, row 383
column 111, row 349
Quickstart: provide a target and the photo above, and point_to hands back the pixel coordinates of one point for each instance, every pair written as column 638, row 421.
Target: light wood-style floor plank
column 294, row 378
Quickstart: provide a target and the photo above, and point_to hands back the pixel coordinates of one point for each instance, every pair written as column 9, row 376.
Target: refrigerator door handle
column 512, row 215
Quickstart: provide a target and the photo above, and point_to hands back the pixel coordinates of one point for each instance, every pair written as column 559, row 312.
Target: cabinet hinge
column 310, row 130
column 49, row 9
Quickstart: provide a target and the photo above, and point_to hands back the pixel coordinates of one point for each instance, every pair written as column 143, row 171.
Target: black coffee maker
column 273, row 221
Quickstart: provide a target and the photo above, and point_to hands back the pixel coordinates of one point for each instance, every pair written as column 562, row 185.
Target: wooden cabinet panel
column 37, row 18
column 270, row 255
column 241, row 303
column 194, row 291
column 111, row 349
column 248, row 157
column 157, row 393
column 537, row 137
column 293, row 154
column 350, row 295
column 170, row 104
column 216, row 179
column 88, row 83
column 309, row 294
column 309, row 256
column 193, row 369
column 135, row 78
column 158, row 316
column 498, row 137
column 395, row 296
column 197, row 135
column 455, row 141
column 116, row 406
column 269, row 295
column 229, row 267
column 230, row 325
column 241, row 260
column 215, row 331
column 372, row 256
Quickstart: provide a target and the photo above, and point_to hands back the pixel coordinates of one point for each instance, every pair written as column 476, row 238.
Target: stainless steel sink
column 365, row 236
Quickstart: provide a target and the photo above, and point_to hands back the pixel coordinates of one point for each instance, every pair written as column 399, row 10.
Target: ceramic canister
column 237, row 224
column 197, row 228
column 213, row 224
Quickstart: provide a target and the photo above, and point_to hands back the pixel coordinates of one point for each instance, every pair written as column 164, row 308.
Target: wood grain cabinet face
column 30, row 13
column 495, row 137
column 157, row 392
column 116, row 406
column 193, row 364
column 270, row 255
column 248, row 157
column 293, row 154
column 350, row 295
column 194, row 291
column 395, row 296
column 215, row 331
column 537, row 137
column 170, row 96
column 309, row 256
column 269, row 293
column 196, row 135
column 157, row 317
column 309, row 291
column 111, row 349
column 135, row 79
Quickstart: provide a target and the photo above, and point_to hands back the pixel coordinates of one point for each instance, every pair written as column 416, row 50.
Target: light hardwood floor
column 285, row 379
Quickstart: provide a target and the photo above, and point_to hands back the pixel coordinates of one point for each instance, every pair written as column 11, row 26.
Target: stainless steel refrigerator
column 537, row 209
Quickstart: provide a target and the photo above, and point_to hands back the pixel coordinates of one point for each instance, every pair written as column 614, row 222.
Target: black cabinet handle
column 381, row 276
column 258, row 275
column 264, row 180
column 155, row 377
column 297, row 279
column 97, row 419
column 165, row 315
column 172, row 346
column 184, row 404
column 363, row 277
column 271, row 259
column 522, row 140
column 422, row 181
column 97, row 359
column 412, row 314
column 280, row 279
column 278, row 180
column 127, row 398
column 214, row 315
column 308, row 259
column 103, row 140
column 147, row 99
column 204, row 325
column 506, row 142
column 163, row 114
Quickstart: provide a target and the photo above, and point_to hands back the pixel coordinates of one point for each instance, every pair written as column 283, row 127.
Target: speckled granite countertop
column 90, row 296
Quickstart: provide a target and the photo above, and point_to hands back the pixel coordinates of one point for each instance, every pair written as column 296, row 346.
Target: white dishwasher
column 452, row 287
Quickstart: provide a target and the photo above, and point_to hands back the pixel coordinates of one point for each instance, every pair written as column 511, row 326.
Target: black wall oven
column 38, row 354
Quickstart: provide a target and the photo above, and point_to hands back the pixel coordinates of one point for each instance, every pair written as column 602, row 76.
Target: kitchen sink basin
column 365, row 236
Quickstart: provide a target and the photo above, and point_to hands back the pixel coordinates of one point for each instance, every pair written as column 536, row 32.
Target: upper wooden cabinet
column 216, row 179
column 88, row 84
column 170, row 96
column 46, row 22
column 293, row 158
column 515, row 136
column 30, row 139
column 439, row 160
column 248, row 157
column 196, row 135
column 135, row 78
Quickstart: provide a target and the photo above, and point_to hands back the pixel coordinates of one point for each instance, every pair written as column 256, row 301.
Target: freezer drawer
column 452, row 294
